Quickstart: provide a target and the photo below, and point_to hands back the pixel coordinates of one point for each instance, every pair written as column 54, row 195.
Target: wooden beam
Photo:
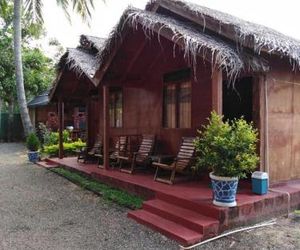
column 138, row 52
column 55, row 84
column 101, row 72
column 217, row 90
column 87, row 124
column 105, row 126
column 61, row 128
column 263, row 130
column 155, row 60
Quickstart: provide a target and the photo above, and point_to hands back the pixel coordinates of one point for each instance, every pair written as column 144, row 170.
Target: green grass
column 108, row 193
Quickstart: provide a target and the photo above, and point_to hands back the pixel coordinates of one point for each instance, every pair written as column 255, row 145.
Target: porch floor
column 184, row 211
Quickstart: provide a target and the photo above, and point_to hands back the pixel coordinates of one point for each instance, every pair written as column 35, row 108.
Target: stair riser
column 205, row 230
column 201, row 208
column 164, row 232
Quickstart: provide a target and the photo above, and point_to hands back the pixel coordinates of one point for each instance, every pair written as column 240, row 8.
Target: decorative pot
column 224, row 190
column 33, row 156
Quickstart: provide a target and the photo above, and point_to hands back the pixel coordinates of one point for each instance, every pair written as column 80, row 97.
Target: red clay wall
column 143, row 99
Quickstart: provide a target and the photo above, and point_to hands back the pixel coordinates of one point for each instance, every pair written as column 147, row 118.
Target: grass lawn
column 108, row 193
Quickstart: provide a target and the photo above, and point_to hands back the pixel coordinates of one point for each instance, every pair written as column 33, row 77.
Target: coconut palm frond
column 83, row 8
column 64, row 4
column 33, row 8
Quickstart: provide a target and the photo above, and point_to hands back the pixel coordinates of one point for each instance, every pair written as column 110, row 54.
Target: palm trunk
column 19, row 68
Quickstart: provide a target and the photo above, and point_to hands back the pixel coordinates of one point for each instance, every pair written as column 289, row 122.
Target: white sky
column 278, row 14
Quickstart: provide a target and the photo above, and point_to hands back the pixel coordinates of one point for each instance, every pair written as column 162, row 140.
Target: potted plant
column 228, row 150
column 33, row 144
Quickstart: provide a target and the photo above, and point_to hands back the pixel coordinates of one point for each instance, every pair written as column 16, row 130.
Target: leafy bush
column 32, row 142
column 69, row 148
column 227, row 148
column 42, row 132
column 52, row 138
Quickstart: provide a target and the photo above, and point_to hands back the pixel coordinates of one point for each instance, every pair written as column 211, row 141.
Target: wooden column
column 217, row 90
column 87, row 123
column 263, row 125
column 60, row 128
column 105, row 127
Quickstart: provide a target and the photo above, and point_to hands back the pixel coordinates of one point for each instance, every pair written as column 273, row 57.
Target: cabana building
column 162, row 71
column 74, row 89
column 175, row 62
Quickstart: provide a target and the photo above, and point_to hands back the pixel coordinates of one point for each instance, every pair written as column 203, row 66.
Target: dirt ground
column 41, row 210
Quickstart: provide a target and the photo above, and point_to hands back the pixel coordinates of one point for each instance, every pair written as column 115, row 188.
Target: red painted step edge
column 47, row 164
column 205, row 209
column 183, row 235
column 193, row 220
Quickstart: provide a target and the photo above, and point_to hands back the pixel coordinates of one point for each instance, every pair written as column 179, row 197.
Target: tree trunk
column 19, row 68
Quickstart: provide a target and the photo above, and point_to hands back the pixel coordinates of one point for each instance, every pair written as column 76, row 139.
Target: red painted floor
column 174, row 207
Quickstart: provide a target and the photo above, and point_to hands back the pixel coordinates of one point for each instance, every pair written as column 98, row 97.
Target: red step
column 180, row 233
column 206, row 209
column 47, row 164
column 193, row 220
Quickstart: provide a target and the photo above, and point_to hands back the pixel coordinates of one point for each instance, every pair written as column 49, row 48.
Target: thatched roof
column 89, row 42
column 81, row 61
column 257, row 37
column 194, row 42
column 40, row 100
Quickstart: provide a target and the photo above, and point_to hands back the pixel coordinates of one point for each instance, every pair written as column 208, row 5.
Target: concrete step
column 193, row 220
column 175, row 231
column 47, row 164
column 204, row 208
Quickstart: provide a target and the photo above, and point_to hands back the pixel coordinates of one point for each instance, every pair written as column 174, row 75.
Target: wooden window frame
column 177, row 103
column 115, row 90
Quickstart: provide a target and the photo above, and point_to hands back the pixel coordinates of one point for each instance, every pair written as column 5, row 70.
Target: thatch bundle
column 255, row 36
column 195, row 43
column 92, row 42
column 235, row 46
column 81, row 61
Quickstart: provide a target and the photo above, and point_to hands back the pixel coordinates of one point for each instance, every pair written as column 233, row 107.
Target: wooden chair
column 89, row 153
column 181, row 164
column 120, row 148
column 141, row 157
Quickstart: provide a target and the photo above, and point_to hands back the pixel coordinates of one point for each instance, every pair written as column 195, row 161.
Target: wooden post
column 87, row 124
column 263, row 125
column 217, row 90
column 61, row 128
column 105, row 127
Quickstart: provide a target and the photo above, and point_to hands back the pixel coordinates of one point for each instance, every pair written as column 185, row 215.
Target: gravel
column 41, row 210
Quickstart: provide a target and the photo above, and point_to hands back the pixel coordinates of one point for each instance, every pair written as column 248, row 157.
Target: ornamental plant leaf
column 227, row 148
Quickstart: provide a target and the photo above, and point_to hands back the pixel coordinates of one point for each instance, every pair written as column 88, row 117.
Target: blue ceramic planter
column 33, row 156
column 224, row 190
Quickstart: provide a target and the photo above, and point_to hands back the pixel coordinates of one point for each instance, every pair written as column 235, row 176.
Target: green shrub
column 52, row 138
column 32, row 142
column 227, row 148
column 69, row 148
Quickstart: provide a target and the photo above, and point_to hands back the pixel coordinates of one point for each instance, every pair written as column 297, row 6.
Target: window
column 177, row 105
column 116, row 108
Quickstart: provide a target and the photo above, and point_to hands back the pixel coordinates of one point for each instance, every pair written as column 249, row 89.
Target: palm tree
column 33, row 9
